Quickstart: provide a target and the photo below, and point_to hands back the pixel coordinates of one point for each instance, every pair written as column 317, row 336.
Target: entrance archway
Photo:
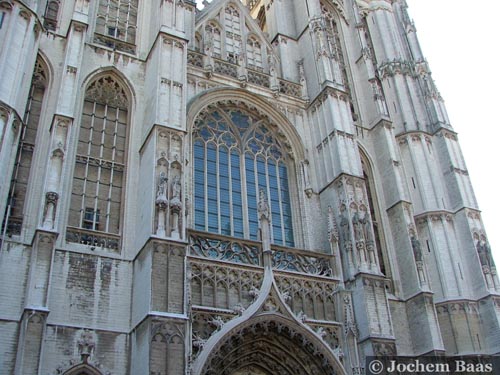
column 269, row 345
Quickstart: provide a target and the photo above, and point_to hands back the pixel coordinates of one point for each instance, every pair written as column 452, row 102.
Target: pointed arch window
column 375, row 215
column 116, row 24
column 25, row 150
column 254, row 54
column 213, row 39
column 235, row 155
column 51, row 14
column 98, row 180
column 335, row 46
column 232, row 27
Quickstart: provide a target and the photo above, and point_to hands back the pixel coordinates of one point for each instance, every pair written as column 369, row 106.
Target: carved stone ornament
column 108, row 91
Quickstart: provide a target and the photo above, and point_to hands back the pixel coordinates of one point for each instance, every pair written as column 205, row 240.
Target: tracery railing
column 93, row 238
column 235, row 250
column 308, row 262
column 254, row 76
column 223, row 248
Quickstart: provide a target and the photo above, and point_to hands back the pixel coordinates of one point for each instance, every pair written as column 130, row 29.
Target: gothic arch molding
column 83, row 369
column 253, row 102
column 274, row 344
column 119, row 77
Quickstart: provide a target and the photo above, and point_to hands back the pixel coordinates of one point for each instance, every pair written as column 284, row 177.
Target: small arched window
column 335, row 46
column 232, row 27
column 213, row 39
column 26, row 149
column 375, row 215
column 51, row 14
column 254, row 54
column 116, row 24
column 235, row 155
column 98, row 180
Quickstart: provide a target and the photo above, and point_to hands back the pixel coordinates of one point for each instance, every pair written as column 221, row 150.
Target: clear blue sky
column 460, row 41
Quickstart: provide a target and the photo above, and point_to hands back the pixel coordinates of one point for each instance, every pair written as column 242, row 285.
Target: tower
column 258, row 186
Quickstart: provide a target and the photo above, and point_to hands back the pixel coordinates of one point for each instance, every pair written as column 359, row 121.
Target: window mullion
column 217, row 188
column 268, row 195
column 244, row 195
column 205, row 162
column 230, row 185
column 278, row 179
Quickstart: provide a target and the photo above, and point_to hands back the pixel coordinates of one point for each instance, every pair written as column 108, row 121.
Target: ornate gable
column 228, row 32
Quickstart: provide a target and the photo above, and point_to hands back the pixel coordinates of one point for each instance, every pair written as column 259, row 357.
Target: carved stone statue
column 263, row 207
column 162, row 186
column 483, row 249
column 358, row 227
column 345, row 234
column 417, row 249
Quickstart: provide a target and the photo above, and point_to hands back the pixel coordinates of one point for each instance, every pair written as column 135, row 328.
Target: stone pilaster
column 33, row 320
column 159, row 316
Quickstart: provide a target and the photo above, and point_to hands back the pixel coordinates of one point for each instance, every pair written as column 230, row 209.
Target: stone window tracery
column 51, row 14
column 116, row 24
column 235, row 155
column 25, row 150
column 334, row 45
column 100, row 163
column 232, row 26
column 254, row 54
column 213, row 39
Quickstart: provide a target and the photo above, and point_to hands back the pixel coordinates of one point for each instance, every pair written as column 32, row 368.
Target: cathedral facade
column 258, row 187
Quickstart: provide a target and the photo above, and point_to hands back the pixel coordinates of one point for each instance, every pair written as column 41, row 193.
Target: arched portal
column 268, row 345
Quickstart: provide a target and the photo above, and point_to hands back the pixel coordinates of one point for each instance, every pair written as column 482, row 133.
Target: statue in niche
column 273, row 72
column 417, row 249
column 176, row 188
column 357, row 225
column 161, row 203
column 484, row 252
column 162, row 186
column 345, row 234
column 263, row 207
column 176, row 205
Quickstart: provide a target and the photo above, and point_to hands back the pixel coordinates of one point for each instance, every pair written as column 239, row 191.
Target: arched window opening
column 375, row 214
column 335, row 46
column 51, row 14
column 232, row 27
column 25, row 151
column 197, row 43
column 98, row 180
column 261, row 19
column 82, row 369
column 116, row 24
column 213, row 39
column 254, row 54
column 235, row 155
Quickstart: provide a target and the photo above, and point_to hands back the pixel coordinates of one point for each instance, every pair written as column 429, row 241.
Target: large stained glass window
column 236, row 154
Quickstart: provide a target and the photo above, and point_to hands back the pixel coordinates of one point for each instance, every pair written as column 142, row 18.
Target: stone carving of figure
column 484, row 252
column 345, row 235
column 273, row 72
column 417, row 249
column 358, row 227
column 263, row 207
column 162, row 186
column 176, row 188
column 242, row 70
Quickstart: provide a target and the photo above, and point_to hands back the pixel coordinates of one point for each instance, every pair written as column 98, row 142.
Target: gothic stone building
column 259, row 187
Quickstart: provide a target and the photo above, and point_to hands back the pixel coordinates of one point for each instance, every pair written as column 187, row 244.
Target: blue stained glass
column 216, row 116
column 240, row 120
column 205, row 133
column 220, row 177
